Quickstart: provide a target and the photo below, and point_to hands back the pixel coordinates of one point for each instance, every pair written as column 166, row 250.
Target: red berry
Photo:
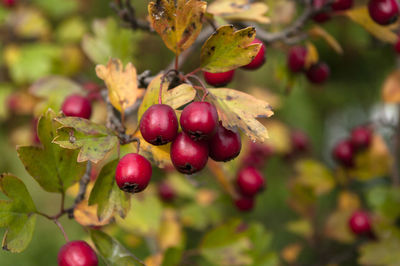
column 133, row 173
column 360, row 223
column 225, row 145
column 318, row 73
column 259, row 59
column 296, row 59
column 257, row 155
column 77, row 253
column 397, row 46
column 300, row 142
column 343, row 153
column 340, row 5
column 166, row 192
column 187, row 155
column 321, row 17
column 159, row 124
column 244, row 203
column 9, row 3
column 77, row 105
column 383, row 12
column 91, row 86
column 199, row 120
column 219, row 79
column 361, row 137
column 250, row 181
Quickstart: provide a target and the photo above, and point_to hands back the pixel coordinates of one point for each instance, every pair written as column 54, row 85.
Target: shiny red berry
column 383, row 12
column 159, row 124
column 343, row 153
column 199, row 120
column 133, row 173
column 340, row 5
column 77, row 105
column 360, row 223
column 225, row 145
column 318, row 73
column 244, row 204
column 188, row 156
column 296, row 59
column 77, row 253
column 250, row 181
column 300, row 141
column 219, row 79
column 361, row 137
column 259, row 59
column 166, row 192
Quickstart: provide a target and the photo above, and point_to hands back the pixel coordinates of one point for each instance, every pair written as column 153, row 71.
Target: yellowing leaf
column 87, row 215
column 312, row 55
column 178, row 22
column 362, row 17
column 317, row 31
column 121, row 83
column 391, row 88
column 291, row 252
column 301, row 227
column 158, row 155
column 238, row 109
column 227, row 49
column 239, row 10
column 29, row 23
column 279, row 136
column 170, row 233
column 348, row 201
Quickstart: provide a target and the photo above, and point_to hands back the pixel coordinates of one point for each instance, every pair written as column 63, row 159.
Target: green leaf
column 112, row 251
column 17, row 214
column 54, row 168
column 106, row 194
column 71, row 30
column 175, row 97
column 57, row 9
column 110, row 41
column 172, row 256
column 53, row 90
column 239, row 109
column 93, row 140
column 385, row 201
column 228, row 49
column 5, row 91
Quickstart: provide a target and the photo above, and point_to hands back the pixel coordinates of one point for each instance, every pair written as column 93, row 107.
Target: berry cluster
column 223, row 78
column 345, row 150
column 335, row 6
column 296, row 60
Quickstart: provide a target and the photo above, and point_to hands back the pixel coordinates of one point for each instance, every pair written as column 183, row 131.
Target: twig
column 62, row 229
column 83, row 184
column 127, row 13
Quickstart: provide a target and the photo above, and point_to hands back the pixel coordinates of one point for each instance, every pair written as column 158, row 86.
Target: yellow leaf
column 178, row 23
column 391, row 88
column 291, row 252
column 317, row 31
column 279, row 136
column 205, row 197
column 348, row 201
column 239, row 10
column 121, row 83
column 312, row 55
column 170, row 234
column 87, row 215
column 362, row 17
column 158, row 155
column 239, row 109
column 29, row 23
column 154, row 260
column 301, row 227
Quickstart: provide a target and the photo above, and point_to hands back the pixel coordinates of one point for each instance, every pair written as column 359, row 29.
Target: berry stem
column 192, row 73
column 201, row 87
column 220, row 174
column 177, row 62
column 61, row 229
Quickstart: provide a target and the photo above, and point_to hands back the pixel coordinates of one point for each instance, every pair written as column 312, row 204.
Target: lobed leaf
column 177, row 22
column 107, row 195
column 238, row 109
column 227, row 49
column 94, row 141
column 87, row 215
column 54, row 168
column 17, row 214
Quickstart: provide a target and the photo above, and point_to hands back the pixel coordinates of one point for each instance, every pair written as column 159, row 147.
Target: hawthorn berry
column 199, row 120
column 383, row 12
column 188, row 156
column 77, row 253
column 133, row 173
column 340, row 5
column 159, row 124
column 225, row 145
column 397, row 46
column 257, row 154
column 321, row 16
column 300, row 142
column 250, row 181
column 77, row 105
column 361, row 137
column 244, row 203
column 296, row 59
column 259, row 59
column 166, row 192
column 9, row 3
column 343, row 153
column 360, row 223
column 318, row 73
column 219, row 79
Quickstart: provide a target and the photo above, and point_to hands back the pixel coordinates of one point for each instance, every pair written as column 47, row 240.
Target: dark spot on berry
column 187, row 168
column 159, row 141
column 129, row 187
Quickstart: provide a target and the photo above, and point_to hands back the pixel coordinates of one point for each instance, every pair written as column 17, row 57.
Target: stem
column 83, row 184
column 62, row 229
column 396, row 151
column 220, row 174
column 55, row 220
column 193, row 72
column 203, row 86
column 177, row 62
